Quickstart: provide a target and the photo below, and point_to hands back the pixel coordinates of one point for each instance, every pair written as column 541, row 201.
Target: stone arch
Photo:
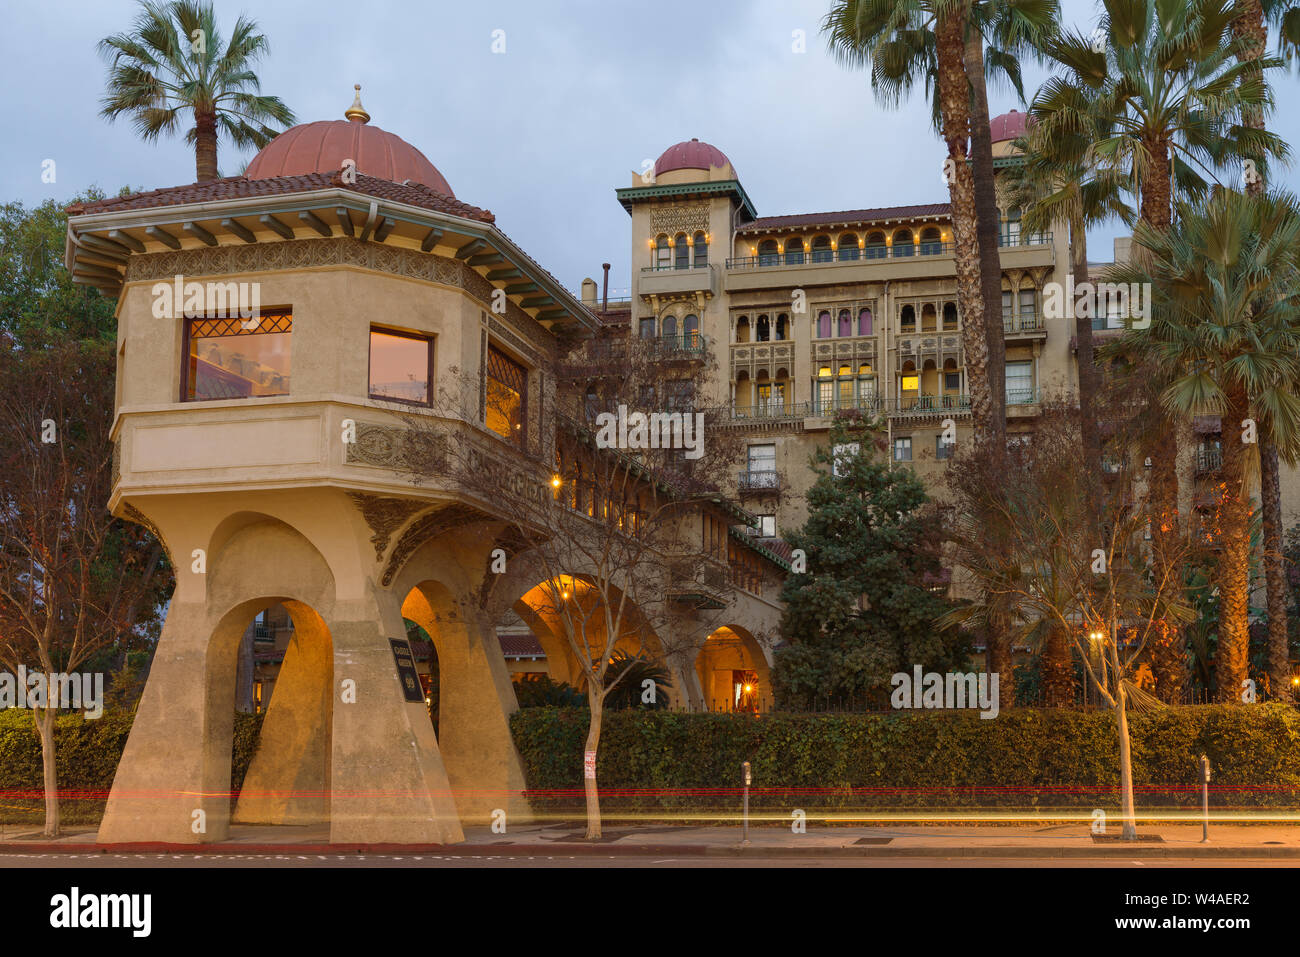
column 730, row 650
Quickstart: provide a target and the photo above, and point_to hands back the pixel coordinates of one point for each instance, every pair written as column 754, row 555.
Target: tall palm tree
column 173, row 63
column 941, row 44
column 1251, row 32
column 1226, row 288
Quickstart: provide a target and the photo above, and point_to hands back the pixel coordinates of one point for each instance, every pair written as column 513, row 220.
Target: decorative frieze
column 680, row 218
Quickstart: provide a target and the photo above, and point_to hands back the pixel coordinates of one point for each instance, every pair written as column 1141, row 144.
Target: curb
column 671, row 850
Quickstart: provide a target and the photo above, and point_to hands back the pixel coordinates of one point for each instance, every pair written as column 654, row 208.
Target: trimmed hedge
column 1025, row 758
column 86, row 753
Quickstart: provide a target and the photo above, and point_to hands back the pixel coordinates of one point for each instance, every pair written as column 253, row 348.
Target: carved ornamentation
column 680, row 218
column 385, row 515
column 423, row 530
column 399, row 449
column 133, row 514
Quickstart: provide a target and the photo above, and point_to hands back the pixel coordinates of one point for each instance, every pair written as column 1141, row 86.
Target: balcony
column 604, row 356
column 1024, row 326
column 758, row 480
column 826, row 407
column 1018, row 396
column 667, row 280
column 773, row 411
column 831, row 257
column 1208, row 460
column 929, row 406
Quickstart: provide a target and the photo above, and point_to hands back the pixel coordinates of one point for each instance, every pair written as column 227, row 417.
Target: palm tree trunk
column 1248, row 26
column 1232, row 657
column 986, row 218
column 1057, row 671
column 205, row 148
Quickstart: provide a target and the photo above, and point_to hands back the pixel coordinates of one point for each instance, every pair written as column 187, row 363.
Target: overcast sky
column 542, row 134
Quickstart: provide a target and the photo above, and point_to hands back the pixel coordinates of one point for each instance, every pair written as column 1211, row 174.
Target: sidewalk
column 1030, row 841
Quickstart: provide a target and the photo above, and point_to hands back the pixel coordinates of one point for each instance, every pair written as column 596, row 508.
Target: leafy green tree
column 173, row 62
column 865, row 609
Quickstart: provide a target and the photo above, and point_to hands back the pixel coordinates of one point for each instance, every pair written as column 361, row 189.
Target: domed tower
column 684, row 208
column 278, row 333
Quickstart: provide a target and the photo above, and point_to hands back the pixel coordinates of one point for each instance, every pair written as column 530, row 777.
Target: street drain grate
column 1115, row 839
column 873, row 840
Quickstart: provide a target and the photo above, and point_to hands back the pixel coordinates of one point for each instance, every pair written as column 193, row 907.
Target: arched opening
column 848, row 247
column 864, row 322
column 929, row 318
column 286, row 781
column 844, row 324
column 763, row 329
column 769, row 253
column 794, row 252
column 821, row 249
column 733, row 672
column 875, row 247
column 949, row 317
column 902, row 243
column 931, row 241
column 929, row 378
column 663, row 252
column 951, row 380
column 782, row 327
column 744, row 398
column 907, row 319
column 682, row 246
column 824, row 324
column 742, row 329
column 700, row 243
column 691, row 331
column 668, row 328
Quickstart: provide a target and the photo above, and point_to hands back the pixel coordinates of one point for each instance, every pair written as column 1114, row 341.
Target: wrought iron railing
column 752, row 480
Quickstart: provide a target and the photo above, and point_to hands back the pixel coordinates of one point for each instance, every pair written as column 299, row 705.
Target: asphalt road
column 97, row 861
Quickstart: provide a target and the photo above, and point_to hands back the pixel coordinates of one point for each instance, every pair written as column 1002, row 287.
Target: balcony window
column 911, row 383
column 663, row 253
column 903, row 244
column 1011, row 228
column 669, row 327
column 769, row 254
column 907, row 319
column 931, row 242
column 1020, row 382
column 507, row 396
column 691, row 331
column 848, row 247
column 867, row 392
column 824, row 324
column 226, row 361
column 952, row 382
column 903, row 449
column 821, row 250
column 794, row 252
column 864, row 322
column 845, row 323
column 742, row 329
column 646, row 328
column 682, row 247
column 701, row 250
column 875, row 247
column 949, row 317
column 400, row 363
column 1006, row 305
column 763, row 329
column 782, row 328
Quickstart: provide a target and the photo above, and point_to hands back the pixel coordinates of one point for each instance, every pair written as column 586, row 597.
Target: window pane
column 399, row 367
column 505, row 396
column 227, row 361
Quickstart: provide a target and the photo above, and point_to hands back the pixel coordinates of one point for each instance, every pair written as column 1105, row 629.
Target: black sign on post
column 406, row 672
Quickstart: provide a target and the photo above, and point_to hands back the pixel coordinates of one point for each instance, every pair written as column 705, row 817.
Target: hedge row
column 1025, row 758
column 87, row 753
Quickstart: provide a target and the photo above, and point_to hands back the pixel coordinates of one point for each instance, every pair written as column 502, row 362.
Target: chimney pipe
column 604, row 295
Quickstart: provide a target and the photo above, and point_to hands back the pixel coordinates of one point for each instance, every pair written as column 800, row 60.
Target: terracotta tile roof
column 519, row 646
column 238, row 187
column 847, row 216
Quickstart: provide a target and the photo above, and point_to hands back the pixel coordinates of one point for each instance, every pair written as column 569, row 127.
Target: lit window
column 911, row 383
column 399, row 366
column 227, row 361
column 506, row 396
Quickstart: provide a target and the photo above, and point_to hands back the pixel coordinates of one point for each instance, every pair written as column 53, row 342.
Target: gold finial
column 356, row 111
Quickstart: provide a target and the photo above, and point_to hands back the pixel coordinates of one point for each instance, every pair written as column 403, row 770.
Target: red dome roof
column 321, row 147
column 691, row 154
column 1007, row 126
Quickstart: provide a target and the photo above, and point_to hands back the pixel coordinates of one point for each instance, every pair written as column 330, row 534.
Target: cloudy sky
column 585, row 92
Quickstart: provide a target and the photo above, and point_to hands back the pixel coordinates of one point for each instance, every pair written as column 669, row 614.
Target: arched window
column 782, row 327
column 669, row 329
column 949, row 317
column 821, row 250
column 845, row 324
column 931, row 241
column 864, row 323
column 929, row 318
column 742, row 329
column 875, row 247
column 691, row 331
column 903, row 245
column 683, row 260
column 764, row 329
column 824, row 324
column 907, row 319
column 663, row 253
column 848, row 247
column 769, row 254
column 701, row 249
column 794, row 252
